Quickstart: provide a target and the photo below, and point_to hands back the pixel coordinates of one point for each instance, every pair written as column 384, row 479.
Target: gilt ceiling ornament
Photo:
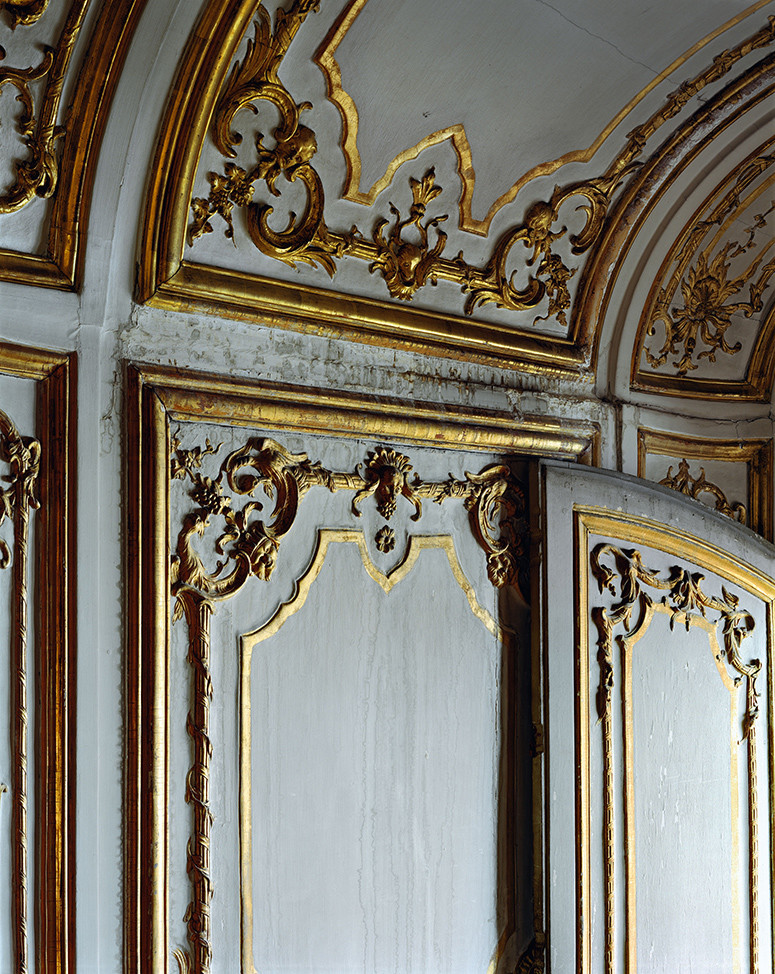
column 245, row 541
column 530, row 266
column 713, row 279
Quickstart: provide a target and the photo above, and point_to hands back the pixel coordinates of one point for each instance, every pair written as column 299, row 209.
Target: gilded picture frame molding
column 53, row 657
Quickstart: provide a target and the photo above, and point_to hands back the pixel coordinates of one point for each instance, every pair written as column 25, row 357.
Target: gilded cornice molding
column 407, row 261
column 62, row 141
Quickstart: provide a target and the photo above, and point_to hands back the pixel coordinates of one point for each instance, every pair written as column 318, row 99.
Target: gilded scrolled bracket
column 248, row 545
column 621, row 572
column 22, row 454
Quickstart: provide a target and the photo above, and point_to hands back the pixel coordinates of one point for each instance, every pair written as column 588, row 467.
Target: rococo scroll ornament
column 694, row 486
column 22, row 455
column 404, row 256
column 621, row 572
column 247, row 542
column 712, row 293
column 37, row 175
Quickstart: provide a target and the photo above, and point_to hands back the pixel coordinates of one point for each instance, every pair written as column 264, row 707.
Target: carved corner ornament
column 17, row 499
column 247, row 543
column 684, row 483
column 403, row 253
column 621, row 572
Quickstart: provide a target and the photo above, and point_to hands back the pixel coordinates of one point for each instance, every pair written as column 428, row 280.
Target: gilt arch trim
column 60, row 265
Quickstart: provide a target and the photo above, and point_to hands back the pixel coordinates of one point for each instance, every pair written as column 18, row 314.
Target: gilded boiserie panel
column 684, row 472
column 529, row 269
column 60, row 142
column 209, row 566
column 618, row 600
column 38, row 481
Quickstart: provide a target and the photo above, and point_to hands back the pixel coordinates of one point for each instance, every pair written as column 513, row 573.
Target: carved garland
column 248, row 546
column 22, row 454
column 685, row 600
column 37, row 175
column 405, row 258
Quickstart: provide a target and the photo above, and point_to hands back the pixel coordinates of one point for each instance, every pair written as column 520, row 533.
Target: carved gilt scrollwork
column 247, row 544
column 37, row 175
column 694, row 486
column 621, row 572
column 712, row 293
column 17, row 499
column 404, row 256
column 23, row 11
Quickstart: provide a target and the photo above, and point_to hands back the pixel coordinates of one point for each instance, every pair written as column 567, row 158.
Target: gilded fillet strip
column 249, row 547
column 16, row 501
column 685, row 602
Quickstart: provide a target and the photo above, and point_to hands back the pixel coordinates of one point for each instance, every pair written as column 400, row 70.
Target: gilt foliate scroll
column 531, row 265
column 38, row 122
